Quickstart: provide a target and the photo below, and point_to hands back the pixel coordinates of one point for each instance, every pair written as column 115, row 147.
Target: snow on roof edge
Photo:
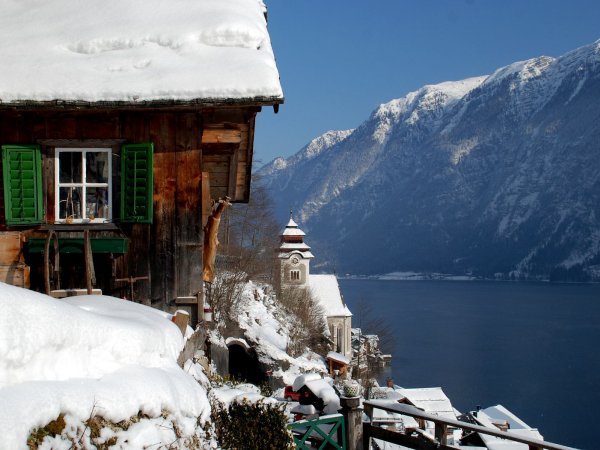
column 158, row 103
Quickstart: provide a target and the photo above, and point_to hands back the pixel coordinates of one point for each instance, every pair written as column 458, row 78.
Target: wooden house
column 120, row 124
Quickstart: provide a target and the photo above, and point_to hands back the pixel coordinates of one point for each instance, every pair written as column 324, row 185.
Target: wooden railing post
column 181, row 319
column 441, row 433
column 352, row 413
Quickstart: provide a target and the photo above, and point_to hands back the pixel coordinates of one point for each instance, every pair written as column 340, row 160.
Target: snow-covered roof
column 431, row 400
column 303, row 379
column 380, row 415
column 292, row 229
column 137, row 51
column 294, row 246
column 293, row 232
column 498, row 414
column 326, row 291
column 321, row 388
column 338, row 357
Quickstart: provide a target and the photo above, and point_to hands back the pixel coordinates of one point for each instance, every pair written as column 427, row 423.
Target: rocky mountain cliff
column 495, row 176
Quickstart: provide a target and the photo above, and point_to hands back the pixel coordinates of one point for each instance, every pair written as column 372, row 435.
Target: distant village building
column 113, row 153
column 293, row 258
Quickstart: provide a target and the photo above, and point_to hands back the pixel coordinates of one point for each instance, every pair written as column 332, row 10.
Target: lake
column 532, row 347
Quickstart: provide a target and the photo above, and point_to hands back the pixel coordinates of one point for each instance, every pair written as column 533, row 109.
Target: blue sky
column 339, row 59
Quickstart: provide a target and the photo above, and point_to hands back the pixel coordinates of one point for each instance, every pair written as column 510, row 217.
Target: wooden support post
column 441, row 433
column 56, row 263
column 47, row 262
column 89, row 262
column 181, row 319
column 352, row 413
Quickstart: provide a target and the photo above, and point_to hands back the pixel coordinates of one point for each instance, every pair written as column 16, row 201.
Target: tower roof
column 291, row 229
column 292, row 240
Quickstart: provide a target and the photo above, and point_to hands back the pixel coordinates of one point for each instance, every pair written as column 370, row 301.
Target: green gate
column 328, row 431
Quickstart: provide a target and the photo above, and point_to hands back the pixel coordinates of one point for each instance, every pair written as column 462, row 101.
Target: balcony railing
column 373, row 430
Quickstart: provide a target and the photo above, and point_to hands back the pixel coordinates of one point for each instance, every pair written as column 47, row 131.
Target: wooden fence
column 325, row 432
column 372, row 430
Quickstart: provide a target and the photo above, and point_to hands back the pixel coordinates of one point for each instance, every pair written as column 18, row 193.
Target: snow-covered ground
column 93, row 356
column 267, row 327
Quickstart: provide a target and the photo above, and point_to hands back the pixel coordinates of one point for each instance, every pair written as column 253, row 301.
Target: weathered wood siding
column 169, row 250
column 227, row 145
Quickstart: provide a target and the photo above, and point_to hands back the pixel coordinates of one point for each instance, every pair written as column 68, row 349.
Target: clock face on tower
column 295, row 260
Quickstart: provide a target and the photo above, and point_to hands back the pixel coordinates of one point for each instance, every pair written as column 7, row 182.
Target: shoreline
column 417, row 276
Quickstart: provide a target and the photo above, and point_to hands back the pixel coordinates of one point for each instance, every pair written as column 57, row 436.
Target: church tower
column 294, row 257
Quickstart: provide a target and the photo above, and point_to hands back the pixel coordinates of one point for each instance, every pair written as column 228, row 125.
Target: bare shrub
column 224, row 294
column 308, row 325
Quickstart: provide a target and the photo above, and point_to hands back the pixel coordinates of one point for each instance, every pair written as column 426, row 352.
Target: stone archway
column 243, row 362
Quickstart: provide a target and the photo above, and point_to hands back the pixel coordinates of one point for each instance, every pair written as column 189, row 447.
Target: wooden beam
column 221, row 136
column 233, row 168
column 62, row 293
column 90, row 277
column 206, row 198
column 47, row 262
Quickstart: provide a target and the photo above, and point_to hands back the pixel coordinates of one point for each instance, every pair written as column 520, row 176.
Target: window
column 83, row 181
column 294, row 275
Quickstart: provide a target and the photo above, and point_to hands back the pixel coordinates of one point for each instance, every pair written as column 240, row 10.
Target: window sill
column 100, row 226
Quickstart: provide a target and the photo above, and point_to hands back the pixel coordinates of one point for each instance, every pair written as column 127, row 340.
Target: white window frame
column 83, row 184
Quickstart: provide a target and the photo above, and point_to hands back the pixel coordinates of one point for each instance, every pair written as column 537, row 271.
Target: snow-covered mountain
column 491, row 175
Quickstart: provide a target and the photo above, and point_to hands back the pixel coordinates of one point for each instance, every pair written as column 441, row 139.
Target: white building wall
column 344, row 324
column 287, row 267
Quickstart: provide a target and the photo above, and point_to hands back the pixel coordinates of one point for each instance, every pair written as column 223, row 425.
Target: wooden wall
column 186, row 143
column 227, row 144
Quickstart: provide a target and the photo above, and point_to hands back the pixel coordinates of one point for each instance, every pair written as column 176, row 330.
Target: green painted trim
column 22, row 194
column 137, row 183
column 75, row 245
column 311, row 428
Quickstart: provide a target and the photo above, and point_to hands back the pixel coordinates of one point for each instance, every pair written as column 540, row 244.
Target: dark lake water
column 532, row 347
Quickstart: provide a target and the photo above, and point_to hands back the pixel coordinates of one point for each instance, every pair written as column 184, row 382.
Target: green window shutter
column 136, row 182
column 22, row 176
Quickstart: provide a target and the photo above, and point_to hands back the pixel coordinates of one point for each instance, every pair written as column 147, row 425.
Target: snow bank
column 268, row 329
column 87, row 356
column 239, row 393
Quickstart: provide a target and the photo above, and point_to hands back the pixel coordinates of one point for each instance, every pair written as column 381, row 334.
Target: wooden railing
column 372, row 430
column 325, row 432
